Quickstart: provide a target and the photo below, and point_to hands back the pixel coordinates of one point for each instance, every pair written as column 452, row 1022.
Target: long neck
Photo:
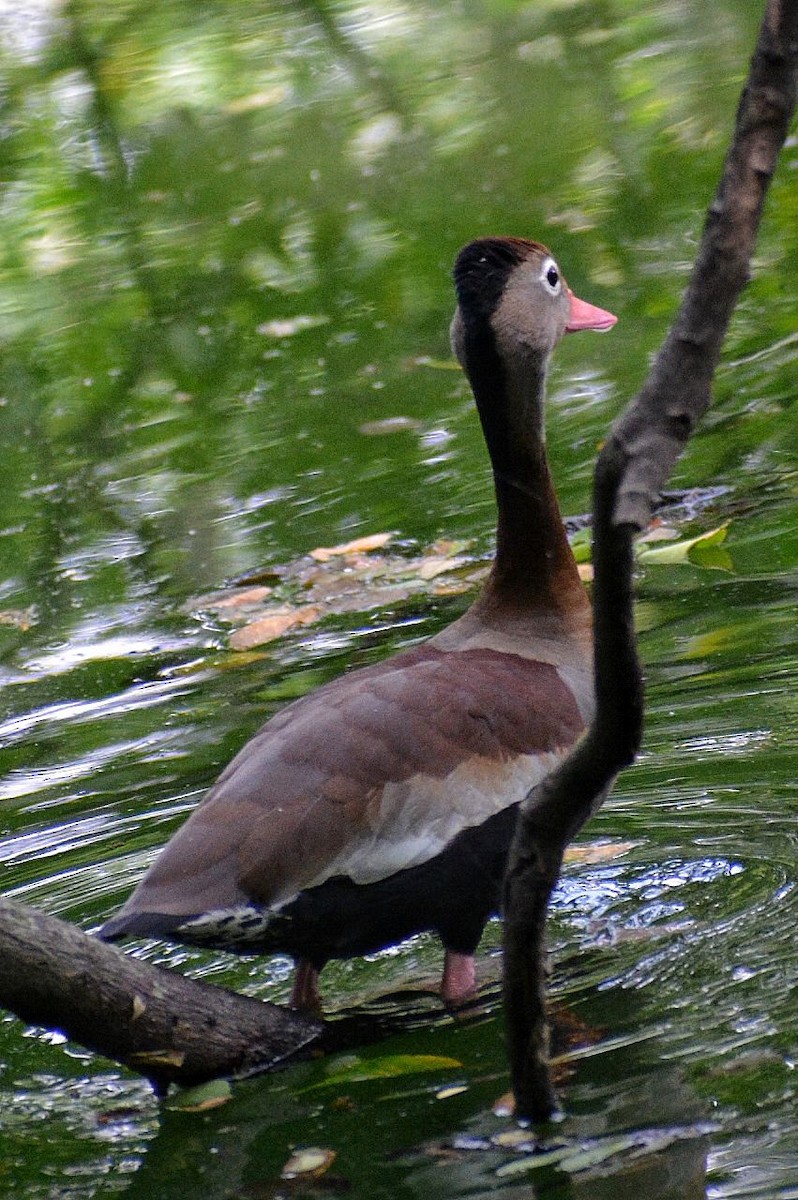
column 534, row 568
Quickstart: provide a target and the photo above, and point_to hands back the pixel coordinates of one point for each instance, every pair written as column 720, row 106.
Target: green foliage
column 227, row 231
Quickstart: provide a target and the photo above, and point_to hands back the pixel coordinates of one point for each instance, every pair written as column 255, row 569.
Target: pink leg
column 305, row 993
column 459, row 981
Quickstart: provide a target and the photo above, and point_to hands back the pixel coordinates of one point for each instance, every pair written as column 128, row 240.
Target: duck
column 382, row 804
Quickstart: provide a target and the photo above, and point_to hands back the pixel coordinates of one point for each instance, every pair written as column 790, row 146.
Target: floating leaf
column 449, row 547
column 202, row 1097
column 243, row 596
column 308, row 1161
column 434, row 566
column 266, row 629
column 701, row 551
column 712, row 558
column 598, row 852
column 515, row 1139
column 363, row 545
column 446, row 1093
column 158, row 1058
column 139, row 1007
column 581, row 544
column 263, row 98
column 657, row 532
column 355, row 577
column 453, row 587
column 532, row 1162
column 593, row 1156
column 352, row 1069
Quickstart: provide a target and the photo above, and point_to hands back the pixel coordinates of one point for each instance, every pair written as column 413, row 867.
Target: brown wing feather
column 321, row 777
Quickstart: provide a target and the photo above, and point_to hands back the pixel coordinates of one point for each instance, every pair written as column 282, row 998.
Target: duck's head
column 511, row 291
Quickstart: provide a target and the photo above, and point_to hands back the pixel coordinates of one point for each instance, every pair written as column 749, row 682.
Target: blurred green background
column 227, row 235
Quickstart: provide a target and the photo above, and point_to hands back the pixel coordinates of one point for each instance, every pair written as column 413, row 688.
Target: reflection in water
column 224, row 295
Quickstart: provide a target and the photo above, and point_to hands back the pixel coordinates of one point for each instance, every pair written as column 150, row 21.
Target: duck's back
column 378, row 772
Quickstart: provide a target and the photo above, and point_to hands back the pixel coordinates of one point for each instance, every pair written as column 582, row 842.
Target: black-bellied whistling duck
column 383, row 803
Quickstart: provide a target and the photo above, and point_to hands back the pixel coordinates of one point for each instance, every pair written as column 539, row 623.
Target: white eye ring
column 550, row 276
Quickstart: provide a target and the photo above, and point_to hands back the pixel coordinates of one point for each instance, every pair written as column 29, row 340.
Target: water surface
column 224, row 297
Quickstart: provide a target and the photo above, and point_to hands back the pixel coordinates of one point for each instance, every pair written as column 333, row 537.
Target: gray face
column 533, row 312
column 530, row 313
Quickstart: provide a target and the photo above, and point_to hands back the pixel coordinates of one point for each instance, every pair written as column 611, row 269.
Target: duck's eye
column 550, row 276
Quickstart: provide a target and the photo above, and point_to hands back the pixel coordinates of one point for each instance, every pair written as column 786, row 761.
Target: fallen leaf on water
column 446, row 1093
column 242, row 596
column 363, row 545
column 598, row 852
column 583, row 1158
column 354, row 577
column 266, row 629
column 353, row 1069
column 454, row 587
column 449, row 547
column 139, row 1007
column 264, row 98
column 703, row 551
column 532, row 1162
column 712, row 558
column 515, row 1139
column 310, row 1161
column 436, row 565
column 581, row 544
column 660, row 545
column 158, row 1058
column 202, row 1097
column 657, row 532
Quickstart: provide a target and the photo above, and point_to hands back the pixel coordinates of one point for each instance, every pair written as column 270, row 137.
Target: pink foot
column 459, row 981
column 305, row 993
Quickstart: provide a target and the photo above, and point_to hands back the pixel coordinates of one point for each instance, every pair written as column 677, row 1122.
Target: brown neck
column 534, row 567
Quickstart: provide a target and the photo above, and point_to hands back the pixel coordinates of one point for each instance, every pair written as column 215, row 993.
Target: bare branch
column 654, row 429
column 161, row 1024
column 637, row 458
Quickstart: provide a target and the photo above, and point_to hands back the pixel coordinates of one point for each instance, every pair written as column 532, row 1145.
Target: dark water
column 224, row 299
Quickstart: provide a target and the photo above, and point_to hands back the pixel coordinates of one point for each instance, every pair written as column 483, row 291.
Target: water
column 224, row 298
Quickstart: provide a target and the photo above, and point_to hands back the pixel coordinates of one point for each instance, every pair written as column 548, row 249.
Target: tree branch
column 161, row 1024
column 633, row 466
